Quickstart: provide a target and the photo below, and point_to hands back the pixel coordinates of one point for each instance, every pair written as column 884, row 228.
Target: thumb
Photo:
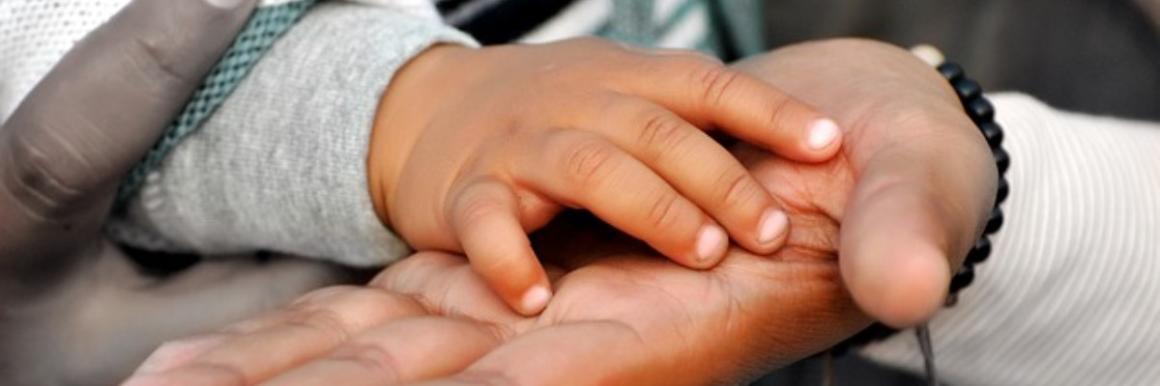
column 94, row 115
column 907, row 228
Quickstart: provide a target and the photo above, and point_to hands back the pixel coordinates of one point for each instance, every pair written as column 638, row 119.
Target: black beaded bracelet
column 982, row 113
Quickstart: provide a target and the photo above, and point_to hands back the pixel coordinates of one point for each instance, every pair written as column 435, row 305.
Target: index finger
column 66, row 147
column 708, row 94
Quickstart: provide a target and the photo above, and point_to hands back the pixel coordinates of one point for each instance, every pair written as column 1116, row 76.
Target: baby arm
column 281, row 165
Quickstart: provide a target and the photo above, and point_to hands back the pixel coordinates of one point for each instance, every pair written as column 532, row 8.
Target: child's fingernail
column 822, row 132
column 536, row 299
column 710, row 242
column 773, row 224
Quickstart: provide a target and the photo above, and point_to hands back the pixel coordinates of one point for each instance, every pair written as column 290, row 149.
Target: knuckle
column 715, row 81
column 479, row 377
column 474, row 207
column 322, row 296
column 49, row 177
column 662, row 131
column 149, row 54
column 586, row 162
column 363, row 298
column 171, row 354
column 778, row 110
column 509, row 265
column 326, row 322
column 374, row 359
column 736, row 190
column 665, row 211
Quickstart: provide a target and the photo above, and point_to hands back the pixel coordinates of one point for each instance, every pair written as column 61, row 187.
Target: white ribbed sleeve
column 1071, row 294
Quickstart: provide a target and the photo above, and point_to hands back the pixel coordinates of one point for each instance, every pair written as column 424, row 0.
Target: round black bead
column 962, row 279
column 951, row 71
column 1001, row 193
column 967, row 88
column 992, row 132
column 980, row 252
column 995, row 222
column 1002, row 159
column 979, row 109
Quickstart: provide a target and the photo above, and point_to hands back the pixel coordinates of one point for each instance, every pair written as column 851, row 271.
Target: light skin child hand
column 474, row 148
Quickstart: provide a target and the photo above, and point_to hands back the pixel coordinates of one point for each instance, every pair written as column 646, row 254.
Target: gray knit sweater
column 271, row 172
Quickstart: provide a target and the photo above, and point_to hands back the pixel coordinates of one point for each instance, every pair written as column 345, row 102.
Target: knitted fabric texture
column 260, row 32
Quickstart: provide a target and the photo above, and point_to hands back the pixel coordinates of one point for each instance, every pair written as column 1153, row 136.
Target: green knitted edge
column 614, row 29
column 263, row 28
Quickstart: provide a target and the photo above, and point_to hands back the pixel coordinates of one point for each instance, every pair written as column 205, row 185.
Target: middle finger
column 696, row 165
column 406, row 350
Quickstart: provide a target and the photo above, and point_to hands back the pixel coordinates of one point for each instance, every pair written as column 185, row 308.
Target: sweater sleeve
column 1068, row 296
column 281, row 165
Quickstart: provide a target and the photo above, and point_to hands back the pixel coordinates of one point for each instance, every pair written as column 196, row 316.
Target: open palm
column 621, row 315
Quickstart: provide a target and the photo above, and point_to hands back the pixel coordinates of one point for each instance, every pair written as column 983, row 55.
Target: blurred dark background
column 1093, row 56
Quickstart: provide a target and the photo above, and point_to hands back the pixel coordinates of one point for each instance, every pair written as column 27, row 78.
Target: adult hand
column 75, row 309
column 909, row 197
column 926, row 179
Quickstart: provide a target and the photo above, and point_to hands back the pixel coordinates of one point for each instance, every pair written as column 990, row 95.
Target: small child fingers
column 583, row 169
column 708, row 93
column 484, row 216
column 697, row 166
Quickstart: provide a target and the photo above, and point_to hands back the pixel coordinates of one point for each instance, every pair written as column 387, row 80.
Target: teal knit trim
column 631, row 22
column 263, row 28
column 678, row 15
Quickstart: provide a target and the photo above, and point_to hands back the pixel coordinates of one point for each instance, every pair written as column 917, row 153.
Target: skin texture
column 74, row 310
column 900, row 206
column 474, row 148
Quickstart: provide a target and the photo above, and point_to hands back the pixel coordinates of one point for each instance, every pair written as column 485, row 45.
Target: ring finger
column 696, row 165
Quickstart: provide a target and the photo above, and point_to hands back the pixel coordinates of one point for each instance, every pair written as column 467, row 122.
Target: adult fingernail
column 710, row 242
column 773, row 223
column 535, row 299
column 821, row 133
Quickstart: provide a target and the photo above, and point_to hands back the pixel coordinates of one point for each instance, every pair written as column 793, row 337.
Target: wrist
column 408, row 104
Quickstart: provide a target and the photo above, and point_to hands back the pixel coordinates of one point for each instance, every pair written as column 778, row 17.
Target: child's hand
column 473, row 148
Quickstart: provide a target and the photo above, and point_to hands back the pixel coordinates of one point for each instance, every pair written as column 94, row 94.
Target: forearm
column 282, row 164
column 1068, row 295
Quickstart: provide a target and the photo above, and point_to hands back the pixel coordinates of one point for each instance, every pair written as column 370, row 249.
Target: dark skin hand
column 900, row 206
column 75, row 309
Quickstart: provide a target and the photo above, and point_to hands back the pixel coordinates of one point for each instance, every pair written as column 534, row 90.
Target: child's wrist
column 407, row 105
